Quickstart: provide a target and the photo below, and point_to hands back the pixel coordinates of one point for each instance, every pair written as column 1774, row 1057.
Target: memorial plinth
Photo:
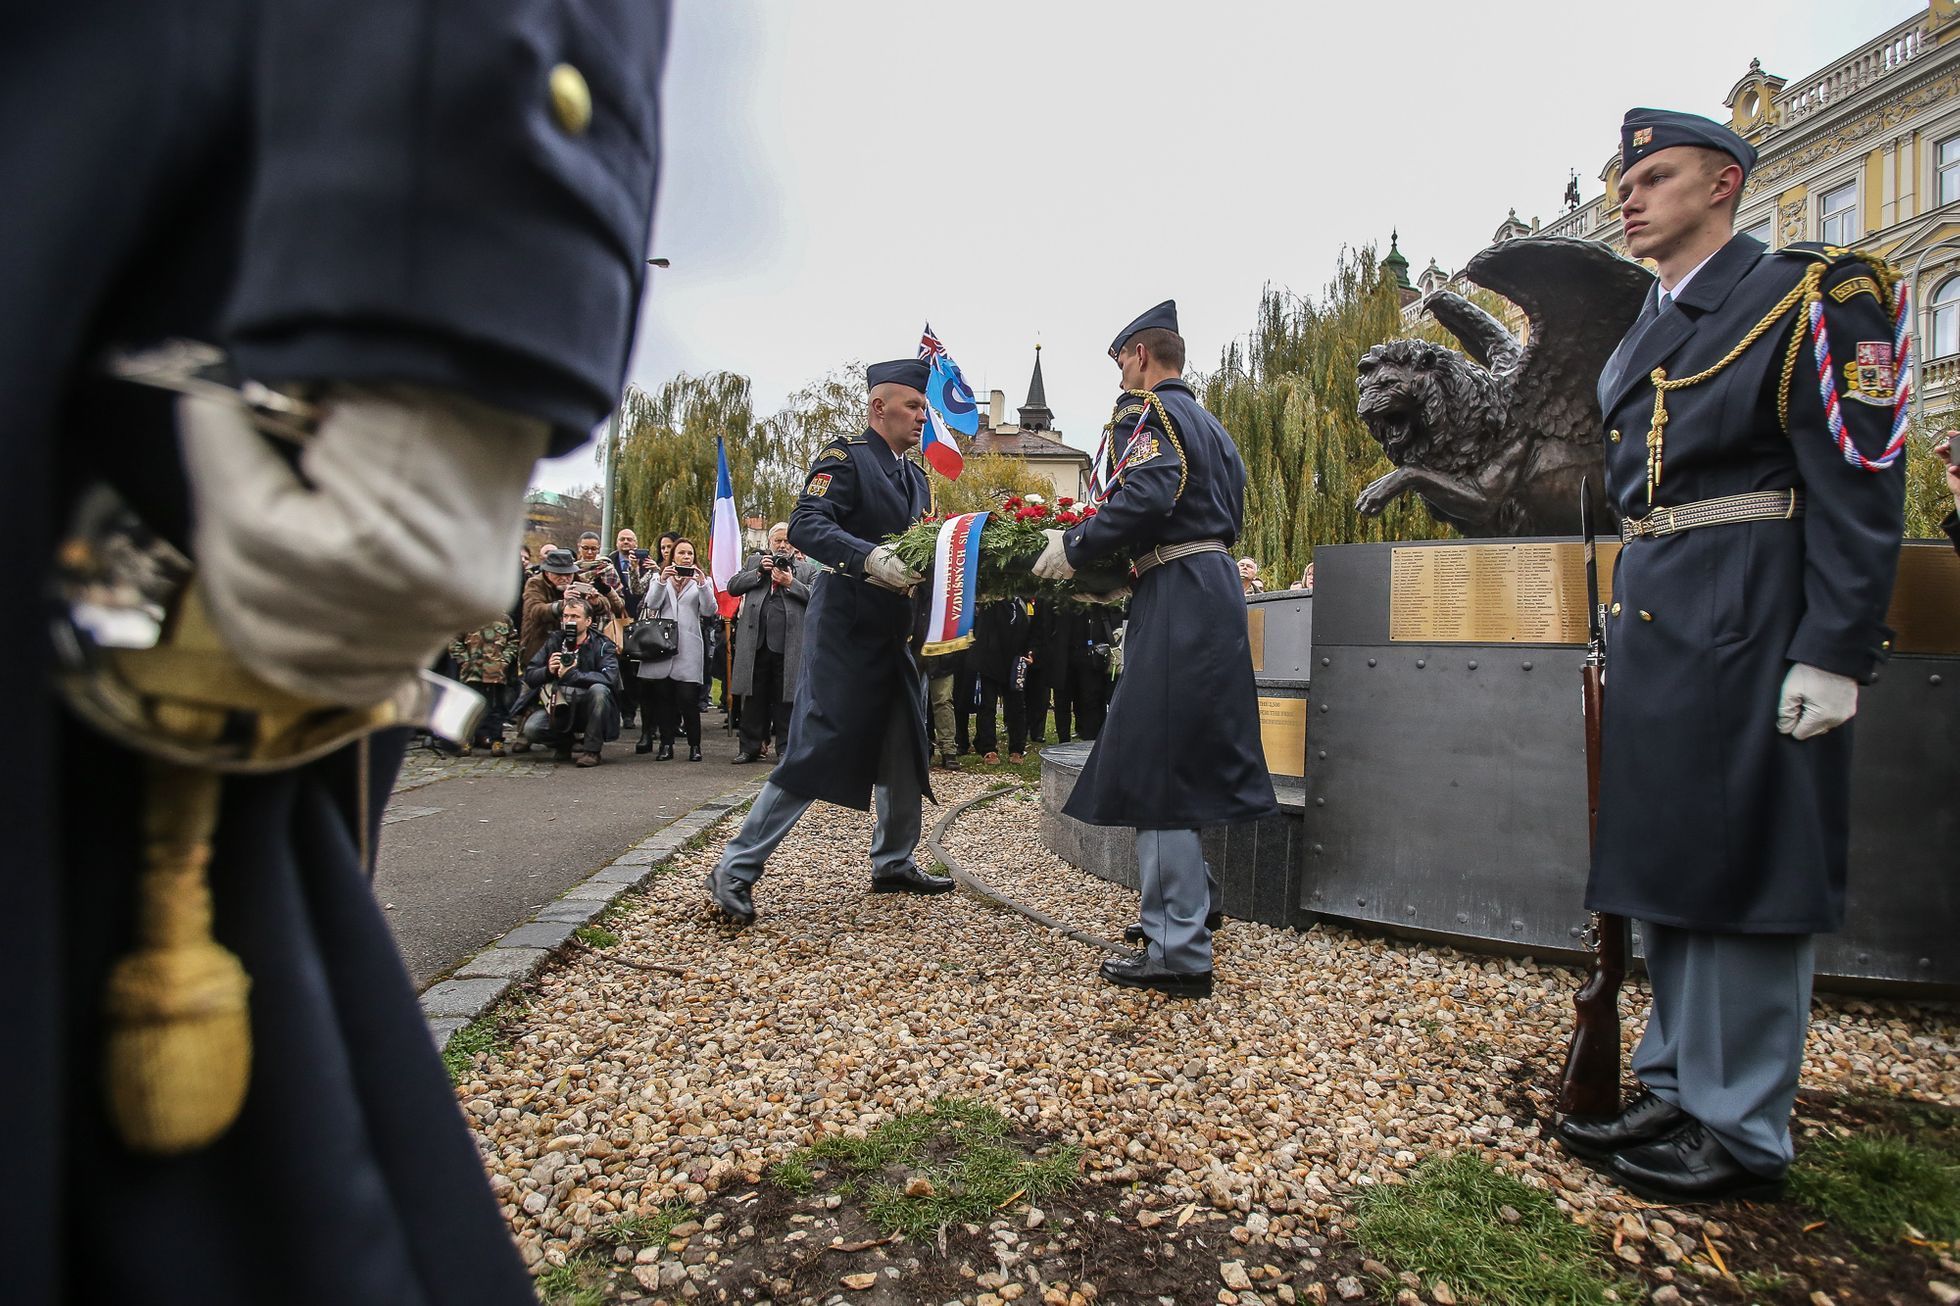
column 1433, row 781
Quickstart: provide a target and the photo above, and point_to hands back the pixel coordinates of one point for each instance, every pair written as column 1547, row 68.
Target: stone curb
column 481, row 982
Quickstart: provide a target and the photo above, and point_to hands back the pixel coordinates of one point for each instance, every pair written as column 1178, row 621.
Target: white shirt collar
column 1682, row 284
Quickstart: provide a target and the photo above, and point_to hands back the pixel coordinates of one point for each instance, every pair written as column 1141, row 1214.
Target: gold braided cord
column 1786, row 387
column 1806, row 289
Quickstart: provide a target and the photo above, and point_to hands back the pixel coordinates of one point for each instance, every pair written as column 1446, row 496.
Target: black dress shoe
column 731, row 898
column 666, row 753
column 910, row 879
column 645, row 744
column 1134, row 933
column 693, row 754
column 742, row 759
column 1139, row 972
column 1645, row 1118
column 1691, row 1165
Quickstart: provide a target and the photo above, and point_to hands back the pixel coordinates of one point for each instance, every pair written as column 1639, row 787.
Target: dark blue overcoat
column 858, row 665
column 1181, row 746
column 372, row 190
column 1708, row 818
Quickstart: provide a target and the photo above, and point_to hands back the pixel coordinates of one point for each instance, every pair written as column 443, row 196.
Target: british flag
column 929, row 346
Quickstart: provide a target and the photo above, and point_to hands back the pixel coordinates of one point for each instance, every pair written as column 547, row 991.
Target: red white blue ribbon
column 1901, row 385
column 955, row 584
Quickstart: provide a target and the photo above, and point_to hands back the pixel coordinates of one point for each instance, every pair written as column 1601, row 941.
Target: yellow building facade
column 1862, row 153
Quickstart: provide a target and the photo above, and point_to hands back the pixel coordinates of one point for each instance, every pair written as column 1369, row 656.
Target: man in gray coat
column 775, row 590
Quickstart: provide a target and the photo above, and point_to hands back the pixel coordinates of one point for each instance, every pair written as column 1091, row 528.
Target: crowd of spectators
column 560, row 673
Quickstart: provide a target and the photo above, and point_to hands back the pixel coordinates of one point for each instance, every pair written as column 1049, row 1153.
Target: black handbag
column 653, row 639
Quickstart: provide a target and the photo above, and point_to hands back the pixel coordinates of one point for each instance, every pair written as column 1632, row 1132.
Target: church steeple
column 1035, row 415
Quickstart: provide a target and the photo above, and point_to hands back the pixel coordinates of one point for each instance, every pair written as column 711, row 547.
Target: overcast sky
column 836, row 173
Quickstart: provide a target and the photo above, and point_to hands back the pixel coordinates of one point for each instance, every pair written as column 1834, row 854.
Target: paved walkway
column 474, row 846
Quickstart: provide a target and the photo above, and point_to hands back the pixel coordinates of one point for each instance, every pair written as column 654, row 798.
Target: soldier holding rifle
column 1752, row 452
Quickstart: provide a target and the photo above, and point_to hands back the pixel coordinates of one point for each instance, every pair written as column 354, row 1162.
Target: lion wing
column 1579, row 298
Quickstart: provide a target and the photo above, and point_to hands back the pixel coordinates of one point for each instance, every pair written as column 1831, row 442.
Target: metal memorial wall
column 1445, row 769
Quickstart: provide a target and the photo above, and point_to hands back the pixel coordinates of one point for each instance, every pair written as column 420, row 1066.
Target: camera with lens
column 784, row 562
column 569, row 630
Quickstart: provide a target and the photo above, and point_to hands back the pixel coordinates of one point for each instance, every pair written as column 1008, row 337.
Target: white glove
column 1814, row 701
column 343, row 581
column 884, row 568
column 1053, row 562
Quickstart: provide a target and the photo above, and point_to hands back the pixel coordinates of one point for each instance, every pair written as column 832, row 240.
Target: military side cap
column 1647, row 130
column 559, row 562
column 1163, row 317
column 903, row 371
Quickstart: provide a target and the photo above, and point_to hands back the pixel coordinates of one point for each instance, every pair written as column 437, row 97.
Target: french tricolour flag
column 955, row 579
column 725, row 538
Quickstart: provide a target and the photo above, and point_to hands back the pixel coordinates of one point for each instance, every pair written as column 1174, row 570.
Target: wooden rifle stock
column 1590, row 1084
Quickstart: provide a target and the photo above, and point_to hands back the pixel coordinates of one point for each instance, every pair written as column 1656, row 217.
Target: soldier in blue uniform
column 428, row 225
column 1180, row 748
column 858, row 729
column 1761, row 538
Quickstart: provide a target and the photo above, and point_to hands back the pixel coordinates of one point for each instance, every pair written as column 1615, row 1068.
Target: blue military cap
column 1647, row 130
column 1162, row 317
column 902, row 371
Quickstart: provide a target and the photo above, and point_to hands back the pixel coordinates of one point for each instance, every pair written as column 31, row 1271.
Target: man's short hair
column 782, row 526
column 1165, row 347
column 1712, row 162
column 577, row 601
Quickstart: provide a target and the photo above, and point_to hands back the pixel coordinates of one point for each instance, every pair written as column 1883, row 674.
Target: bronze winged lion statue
column 1498, row 446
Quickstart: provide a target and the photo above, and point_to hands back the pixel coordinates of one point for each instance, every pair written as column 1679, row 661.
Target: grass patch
column 1877, row 1183
column 596, row 936
column 1444, row 1223
column 644, row 1230
column 489, row 1032
column 792, row 1175
column 965, row 1153
column 580, row 1281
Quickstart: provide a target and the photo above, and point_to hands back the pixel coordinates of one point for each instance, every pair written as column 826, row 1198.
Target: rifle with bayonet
column 1590, row 1084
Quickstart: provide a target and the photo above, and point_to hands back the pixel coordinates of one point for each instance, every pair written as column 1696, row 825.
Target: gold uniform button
column 571, row 99
column 1614, row 436
column 1616, row 609
column 1885, row 644
column 1646, row 615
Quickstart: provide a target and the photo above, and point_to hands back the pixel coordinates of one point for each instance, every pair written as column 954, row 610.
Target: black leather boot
column 1139, row 972
column 910, row 879
column 666, row 753
column 1645, row 1118
column 645, row 744
column 1691, row 1165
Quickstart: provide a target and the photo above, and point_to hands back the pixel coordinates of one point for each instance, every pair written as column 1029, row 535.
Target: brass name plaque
column 1255, row 629
column 1494, row 593
column 1926, row 600
column 1283, row 734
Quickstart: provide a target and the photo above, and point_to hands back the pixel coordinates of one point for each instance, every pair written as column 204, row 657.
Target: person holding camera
column 775, row 591
column 575, row 675
column 681, row 594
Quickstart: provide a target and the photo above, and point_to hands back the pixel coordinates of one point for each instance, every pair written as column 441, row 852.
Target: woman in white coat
column 682, row 593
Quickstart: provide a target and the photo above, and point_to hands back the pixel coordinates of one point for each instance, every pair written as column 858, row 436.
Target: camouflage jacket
column 487, row 656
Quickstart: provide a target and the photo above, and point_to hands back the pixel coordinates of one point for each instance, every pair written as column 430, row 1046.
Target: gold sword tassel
column 179, row 1042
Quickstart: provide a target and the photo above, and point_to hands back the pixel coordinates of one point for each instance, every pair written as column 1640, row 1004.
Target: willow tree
column 665, row 469
column 832, row 405
column 1288, row 393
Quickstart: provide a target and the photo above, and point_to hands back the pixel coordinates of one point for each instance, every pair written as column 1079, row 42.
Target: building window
column 1837, row 215
column 1764, row 231
column 1947, row 161
column 1946, row 318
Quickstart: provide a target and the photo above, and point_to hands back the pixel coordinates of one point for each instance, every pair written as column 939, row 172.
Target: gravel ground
column 1325, row 1062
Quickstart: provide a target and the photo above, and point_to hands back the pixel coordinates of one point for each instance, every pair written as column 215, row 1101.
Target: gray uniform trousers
column 897, row 800
column 1724, row 1041
column 1178, row 889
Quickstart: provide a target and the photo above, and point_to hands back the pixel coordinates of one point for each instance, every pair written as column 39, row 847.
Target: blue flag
column 948, row 391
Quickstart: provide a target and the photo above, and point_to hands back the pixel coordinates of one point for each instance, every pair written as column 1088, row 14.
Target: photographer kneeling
column 576, row 674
